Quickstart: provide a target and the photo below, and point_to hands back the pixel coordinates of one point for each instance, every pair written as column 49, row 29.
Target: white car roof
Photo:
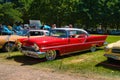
column 72, row 29
column 69, row 29
column 39, row 30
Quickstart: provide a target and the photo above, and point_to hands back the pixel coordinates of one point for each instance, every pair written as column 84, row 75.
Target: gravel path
column 10, row 72
column 13, row 72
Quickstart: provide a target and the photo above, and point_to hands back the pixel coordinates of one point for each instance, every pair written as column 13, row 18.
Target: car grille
column 28, row 48
column 116, row 50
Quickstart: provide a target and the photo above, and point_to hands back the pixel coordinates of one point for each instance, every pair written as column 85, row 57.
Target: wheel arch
column 58, row 52
column 8, row 42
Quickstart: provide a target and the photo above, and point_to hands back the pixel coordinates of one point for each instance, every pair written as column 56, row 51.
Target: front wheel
column 10, row 46
column 50, row 55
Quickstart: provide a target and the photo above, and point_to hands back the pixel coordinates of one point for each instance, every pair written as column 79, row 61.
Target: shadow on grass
column 1, row 51
column 114, row 65
column 25, row 60
column 76, row 54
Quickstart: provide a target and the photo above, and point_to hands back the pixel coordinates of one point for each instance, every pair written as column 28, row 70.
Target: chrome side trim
column 71, row 45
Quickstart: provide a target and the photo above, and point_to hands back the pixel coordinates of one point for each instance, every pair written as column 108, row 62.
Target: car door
column 76, row 43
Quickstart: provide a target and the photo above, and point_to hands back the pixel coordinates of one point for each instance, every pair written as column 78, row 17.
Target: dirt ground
column 16, row 72
column 12, row 72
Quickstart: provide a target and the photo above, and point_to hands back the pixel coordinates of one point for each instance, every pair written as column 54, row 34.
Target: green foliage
column 62, row 12
column 23, row 6
column 87, row 12
column 53, row 11
column 8, row 14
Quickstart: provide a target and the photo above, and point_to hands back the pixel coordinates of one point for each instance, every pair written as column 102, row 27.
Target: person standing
column 70, row 26
column 53, row 26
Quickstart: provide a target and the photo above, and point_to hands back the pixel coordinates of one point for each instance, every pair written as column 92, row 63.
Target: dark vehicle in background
column 95, row 31
column 4, row 30
column 114, row 32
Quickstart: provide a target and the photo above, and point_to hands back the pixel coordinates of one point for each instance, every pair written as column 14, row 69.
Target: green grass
column 111, row 39
column 86, row 63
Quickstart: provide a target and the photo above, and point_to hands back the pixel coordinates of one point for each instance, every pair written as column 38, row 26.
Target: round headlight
column 106, row 49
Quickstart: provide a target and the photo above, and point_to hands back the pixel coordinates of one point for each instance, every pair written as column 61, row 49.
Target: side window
column 58, row 33
column 72, row 33
column 80, row 32
column 77, row 34
column 36, row 33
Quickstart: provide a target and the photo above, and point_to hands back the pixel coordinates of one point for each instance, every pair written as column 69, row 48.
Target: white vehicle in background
column 112, row 51
column 37, row 33
column 7, row 42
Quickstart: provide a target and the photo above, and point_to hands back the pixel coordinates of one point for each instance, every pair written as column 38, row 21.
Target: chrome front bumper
column 112, row 56
column 33, row 54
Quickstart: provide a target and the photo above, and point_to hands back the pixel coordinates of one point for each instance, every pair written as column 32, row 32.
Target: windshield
column 58, row 33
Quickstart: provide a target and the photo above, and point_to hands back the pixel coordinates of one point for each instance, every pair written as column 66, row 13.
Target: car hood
column 10, row 37
column 114, row 45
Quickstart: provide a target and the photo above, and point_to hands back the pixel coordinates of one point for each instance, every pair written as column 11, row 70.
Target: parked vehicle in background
column 95, row 31
column 114, row 32
column 7, row 42
column 6, row 31
column 61, row 41
column 99, row 31
column 112, row 51
column 37, row 33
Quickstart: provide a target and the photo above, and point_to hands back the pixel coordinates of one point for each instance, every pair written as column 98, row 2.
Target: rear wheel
column 50, row 55
column 93, row 49
column 10, row 46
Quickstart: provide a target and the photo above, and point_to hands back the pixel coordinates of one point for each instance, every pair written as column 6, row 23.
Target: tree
column 60, row 12
column 8, row 14
column 23, row 6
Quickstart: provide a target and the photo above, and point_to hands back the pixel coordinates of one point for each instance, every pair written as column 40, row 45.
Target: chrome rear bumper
column 33, row 54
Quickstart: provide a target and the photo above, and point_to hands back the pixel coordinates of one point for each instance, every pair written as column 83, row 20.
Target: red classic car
column 61, row 41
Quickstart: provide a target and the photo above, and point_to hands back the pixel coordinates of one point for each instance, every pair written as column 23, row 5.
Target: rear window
column 36, row 33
